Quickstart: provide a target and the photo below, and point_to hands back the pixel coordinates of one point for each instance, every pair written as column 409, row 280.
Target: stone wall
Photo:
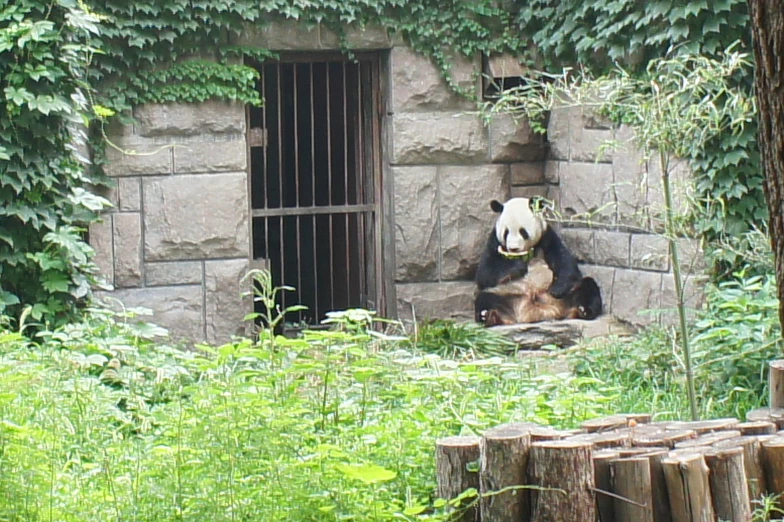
column 177, row 240
column 610, row 200
column 447, row 165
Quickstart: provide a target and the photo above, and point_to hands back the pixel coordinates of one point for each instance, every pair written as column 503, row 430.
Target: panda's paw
column 559, row 290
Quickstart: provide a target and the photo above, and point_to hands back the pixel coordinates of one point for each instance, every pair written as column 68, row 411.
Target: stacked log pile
column 622, row 468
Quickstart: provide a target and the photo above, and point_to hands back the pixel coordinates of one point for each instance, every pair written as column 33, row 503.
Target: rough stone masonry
column 178, row 238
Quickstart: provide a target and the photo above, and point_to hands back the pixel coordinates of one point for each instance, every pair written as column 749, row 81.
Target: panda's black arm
column 562, row 263
column 494, row 268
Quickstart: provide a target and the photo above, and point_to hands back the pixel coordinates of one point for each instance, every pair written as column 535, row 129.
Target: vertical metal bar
column 345, row 182
column 377, row 172
column 316, row 285
column 331, row 265
column 280, row 186
column 329, row 188
column 265, row 163
column 316, row 309
column 362, row 171
column 298, row 230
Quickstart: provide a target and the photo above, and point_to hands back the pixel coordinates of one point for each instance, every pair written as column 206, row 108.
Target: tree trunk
column 767, row 21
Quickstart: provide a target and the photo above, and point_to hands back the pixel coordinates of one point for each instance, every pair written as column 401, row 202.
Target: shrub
column 734, row 340
column 44, row 263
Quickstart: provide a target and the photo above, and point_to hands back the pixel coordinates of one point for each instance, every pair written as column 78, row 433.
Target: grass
column 103, row 420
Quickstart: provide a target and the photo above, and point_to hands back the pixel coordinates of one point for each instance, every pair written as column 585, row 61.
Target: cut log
column 659, row 496
column 545, row 433
column 601, row 475
column 605, row 440
column 455, row 458
column 631, row 480
column 708, row 439
column 752, row 462
column 729, row 488
column 649, row 435
column 705, row 426
column 636, row 452
column 612, row 422
column 774, row 415
column 688, row 488
column 776, row 385
column 773, row 465
column 504, row 462
column 757, row 428
column 565, row 470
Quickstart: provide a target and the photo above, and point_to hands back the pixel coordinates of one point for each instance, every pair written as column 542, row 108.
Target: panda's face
column 518, row 228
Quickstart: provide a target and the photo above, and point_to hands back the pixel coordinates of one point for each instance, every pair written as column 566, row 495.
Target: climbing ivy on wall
column 189, row 51
column 45, row 265
column 143, row 39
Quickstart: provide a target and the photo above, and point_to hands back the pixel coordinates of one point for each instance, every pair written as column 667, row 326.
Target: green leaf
column 367, row 473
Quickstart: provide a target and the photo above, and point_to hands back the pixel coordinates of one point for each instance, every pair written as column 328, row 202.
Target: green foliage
column 733, row 341
column 160, row 50
column 44, row 264
column 599, row 33
column 101, row 420
column 461, row 339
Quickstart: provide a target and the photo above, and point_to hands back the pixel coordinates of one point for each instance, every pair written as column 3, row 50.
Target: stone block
column 417, row 84
column 173, row 273
column 580, row 242
column 552, row 171
column 558, row 129
column 416, row 223
column 421, row 301
column 438, row 138
column 650, row 252
column 139, row 157
column 129, row 194
column 530, row 191
column 637, row 296
column 591, row 145
column 100, row 235
column 127, row 250
column 179, row 309
column 110, row 193
column 693, row 297
column 681, row 188
column 513, row 140
column 465, row 214
column 691, row 256
column 612, row 248
column 200, row 216
column 529, row 173
column 367, row 37
column 630, row 172
column 210, row 156
column 586, row 191
column 281, row 35
column 605, row 278
column 225, row 306
column 190, row 119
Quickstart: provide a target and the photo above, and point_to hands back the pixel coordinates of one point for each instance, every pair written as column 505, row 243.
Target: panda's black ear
column 496, row 206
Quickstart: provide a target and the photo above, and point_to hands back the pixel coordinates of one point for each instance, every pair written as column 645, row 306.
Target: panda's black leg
column 563, row 264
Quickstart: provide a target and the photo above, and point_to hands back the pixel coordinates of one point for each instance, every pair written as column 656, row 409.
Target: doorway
column 315, row 181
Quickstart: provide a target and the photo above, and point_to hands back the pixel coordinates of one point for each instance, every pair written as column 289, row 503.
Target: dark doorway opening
column 314, row 181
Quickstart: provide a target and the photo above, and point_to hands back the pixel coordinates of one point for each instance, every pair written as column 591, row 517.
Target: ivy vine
column 53, row 51
column 45, row 266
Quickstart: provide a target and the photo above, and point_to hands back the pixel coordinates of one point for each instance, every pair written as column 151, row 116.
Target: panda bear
column 522, row 237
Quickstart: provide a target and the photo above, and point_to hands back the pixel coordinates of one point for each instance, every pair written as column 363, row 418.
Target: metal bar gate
column 315, row 182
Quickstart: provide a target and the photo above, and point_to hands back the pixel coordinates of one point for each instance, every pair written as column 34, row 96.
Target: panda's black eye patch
column 524, row 233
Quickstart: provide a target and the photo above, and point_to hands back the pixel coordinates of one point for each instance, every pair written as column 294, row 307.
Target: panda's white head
column 519, row 228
